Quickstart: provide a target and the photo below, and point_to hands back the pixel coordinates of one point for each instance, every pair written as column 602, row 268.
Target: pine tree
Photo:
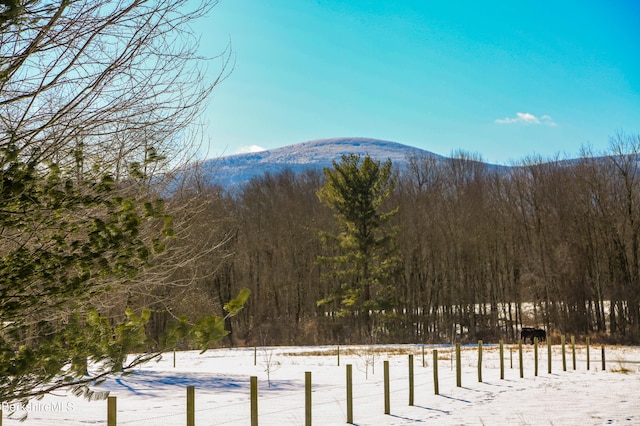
column 68, row 239
column 97, row 99
column 365, row 259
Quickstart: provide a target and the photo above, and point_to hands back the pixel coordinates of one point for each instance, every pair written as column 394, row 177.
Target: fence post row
column 112, row 402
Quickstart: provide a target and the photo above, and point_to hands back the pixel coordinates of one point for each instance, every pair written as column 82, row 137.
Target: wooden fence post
column 191, row 405
column 338, row 355
column 521, row 364
column 501, row 359
column 349, row 394
column 254, row 401
column 564, row 353
column 511, row 357
column 604, row 367
column 588, row 357
column 411, row 380
column 458, row 366
column 424, row 363
column 573, row 351
column 549, row 354
column 387, row 399
column 535, row 356
column 435, row 372
column 307, row 398
column 479, row 360
column 111, row 411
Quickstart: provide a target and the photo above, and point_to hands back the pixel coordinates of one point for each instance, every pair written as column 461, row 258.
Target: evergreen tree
column 97, row 99
column 365, row 259
column 68, row 239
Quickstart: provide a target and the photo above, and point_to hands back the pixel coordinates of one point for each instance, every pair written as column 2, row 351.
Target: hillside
column 235, row 169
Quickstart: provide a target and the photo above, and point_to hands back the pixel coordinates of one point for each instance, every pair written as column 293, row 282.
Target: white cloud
column 527, row 118
column 249, row 149
column 547, row 120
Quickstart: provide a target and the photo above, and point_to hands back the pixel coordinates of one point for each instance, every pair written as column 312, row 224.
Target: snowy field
column 156, row 393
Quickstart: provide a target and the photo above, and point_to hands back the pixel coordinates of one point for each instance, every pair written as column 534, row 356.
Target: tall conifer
column 365, row 259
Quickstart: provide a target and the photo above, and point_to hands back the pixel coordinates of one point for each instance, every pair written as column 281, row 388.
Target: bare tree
column 98, row 99
column 121, row 79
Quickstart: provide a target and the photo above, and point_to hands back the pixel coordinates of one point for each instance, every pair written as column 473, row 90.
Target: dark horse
column 531, row 333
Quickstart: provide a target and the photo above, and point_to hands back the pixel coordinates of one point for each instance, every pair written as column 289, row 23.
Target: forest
column 480, row 250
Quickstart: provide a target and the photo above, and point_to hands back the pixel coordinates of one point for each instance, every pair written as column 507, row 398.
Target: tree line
column 480, row 250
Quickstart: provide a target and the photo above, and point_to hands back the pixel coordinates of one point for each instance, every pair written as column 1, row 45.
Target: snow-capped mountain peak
column 236, row 169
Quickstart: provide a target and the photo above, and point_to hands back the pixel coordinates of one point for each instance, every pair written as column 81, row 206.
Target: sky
column 505, row 80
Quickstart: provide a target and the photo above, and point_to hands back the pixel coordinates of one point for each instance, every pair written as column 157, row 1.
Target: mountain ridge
column 234, row 170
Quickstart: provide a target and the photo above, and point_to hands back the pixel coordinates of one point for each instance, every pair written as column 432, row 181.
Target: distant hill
column 234, row 170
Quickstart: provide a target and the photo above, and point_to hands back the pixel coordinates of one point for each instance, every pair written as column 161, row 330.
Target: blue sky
column 503, row 79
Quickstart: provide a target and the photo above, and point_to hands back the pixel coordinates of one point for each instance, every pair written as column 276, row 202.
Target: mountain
column 234, row 170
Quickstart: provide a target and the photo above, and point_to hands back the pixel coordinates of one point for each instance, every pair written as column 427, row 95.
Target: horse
column 533, row 333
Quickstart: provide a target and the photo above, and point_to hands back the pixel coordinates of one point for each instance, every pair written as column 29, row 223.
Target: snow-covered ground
column 156, row 393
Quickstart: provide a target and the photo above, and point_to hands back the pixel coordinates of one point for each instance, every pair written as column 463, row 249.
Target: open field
column 156, row 393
